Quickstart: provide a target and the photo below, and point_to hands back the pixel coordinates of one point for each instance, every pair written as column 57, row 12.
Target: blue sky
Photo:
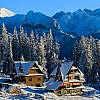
column 48, row 7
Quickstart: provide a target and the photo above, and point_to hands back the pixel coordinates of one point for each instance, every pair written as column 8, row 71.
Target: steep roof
column 53, row 85
column 65, row 67
column 26, row 66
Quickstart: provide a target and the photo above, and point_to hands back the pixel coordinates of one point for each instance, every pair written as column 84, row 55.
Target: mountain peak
column 6, row 13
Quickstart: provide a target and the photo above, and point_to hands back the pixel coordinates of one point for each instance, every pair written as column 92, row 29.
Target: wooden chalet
column 30, row 72
column 66, row 79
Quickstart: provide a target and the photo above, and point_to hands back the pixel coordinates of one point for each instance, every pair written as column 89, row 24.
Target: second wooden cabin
column 66, row 79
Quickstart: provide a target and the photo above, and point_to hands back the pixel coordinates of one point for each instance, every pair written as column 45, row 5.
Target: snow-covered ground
column 49, row 97
column 34, row 93
column 77, row 98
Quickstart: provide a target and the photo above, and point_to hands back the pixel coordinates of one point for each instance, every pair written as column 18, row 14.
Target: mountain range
column 68, row 26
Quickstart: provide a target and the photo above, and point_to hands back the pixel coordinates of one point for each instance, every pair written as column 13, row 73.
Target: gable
column 26, row 66
column 76, row 68
column 34, row 69
column 65, row 67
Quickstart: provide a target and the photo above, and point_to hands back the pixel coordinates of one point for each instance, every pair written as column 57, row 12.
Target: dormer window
column 77, row 77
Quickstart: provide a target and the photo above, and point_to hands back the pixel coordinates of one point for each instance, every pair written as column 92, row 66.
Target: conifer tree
column 33, row 48
column 41, row 52
column 24, row 44
column 49, row 52
column 7, row 53
column 52, row 52
column 15, row 46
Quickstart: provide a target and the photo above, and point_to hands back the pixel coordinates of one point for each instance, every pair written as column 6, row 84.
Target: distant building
column 30, row 72
column 66, row 79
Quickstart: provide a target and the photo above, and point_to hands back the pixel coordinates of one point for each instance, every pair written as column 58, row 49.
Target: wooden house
column 66, row 78
column 30, row 72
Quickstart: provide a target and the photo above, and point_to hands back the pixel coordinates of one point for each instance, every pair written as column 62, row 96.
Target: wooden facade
column 73, row 83
column 34, row 77
column 71, row 77
column 30, row 73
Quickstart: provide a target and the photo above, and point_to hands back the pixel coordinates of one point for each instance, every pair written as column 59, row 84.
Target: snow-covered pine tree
column 8, row 60
column 52, row 52
column 97, row 67
column 85, row 56
column 1, row 50
column 56, row 49
column 81, row 60
column 24, row 44
column 33, row 47
column 6, row 51
column 76, row 52
column 45, row 39
column 10, row 57
column 4, row 41
column 80, row 55
column 98, row 51
column 49, row 51
column 15, row 46
column 41, row 52
column 89, row 53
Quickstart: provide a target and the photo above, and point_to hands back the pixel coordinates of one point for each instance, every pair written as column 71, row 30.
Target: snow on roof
column 77, row 73
column 54, row 71
column 34, row 74
column 74, row 80
column 73, row 67
column 80, row 87
column 70, row 88
column 82, row 79
column 26, row 66
column 88, row 89
column 52, row 84
column 65, row 67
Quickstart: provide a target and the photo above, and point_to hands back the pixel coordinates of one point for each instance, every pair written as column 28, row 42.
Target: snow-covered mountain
column 38, row 18
column 6, row 13
column 81, row 22
column 66, row 27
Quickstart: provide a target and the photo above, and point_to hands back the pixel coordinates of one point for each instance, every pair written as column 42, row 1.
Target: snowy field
column 52, row 96
column 19, row 97
column 77, row 98
column 34, row 93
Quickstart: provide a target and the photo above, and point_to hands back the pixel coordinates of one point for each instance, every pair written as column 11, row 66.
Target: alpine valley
column 73, row 25
column 59, row 54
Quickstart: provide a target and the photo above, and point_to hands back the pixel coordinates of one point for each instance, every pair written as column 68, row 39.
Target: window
column 69, row 77
column 77, row 77
column 68, row 91
column 68, row 85
column 30, row 79
column 39, row 79
column 38, row 85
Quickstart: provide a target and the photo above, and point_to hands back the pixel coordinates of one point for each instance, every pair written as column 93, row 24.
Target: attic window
column 30, row 79
column 77, row 77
